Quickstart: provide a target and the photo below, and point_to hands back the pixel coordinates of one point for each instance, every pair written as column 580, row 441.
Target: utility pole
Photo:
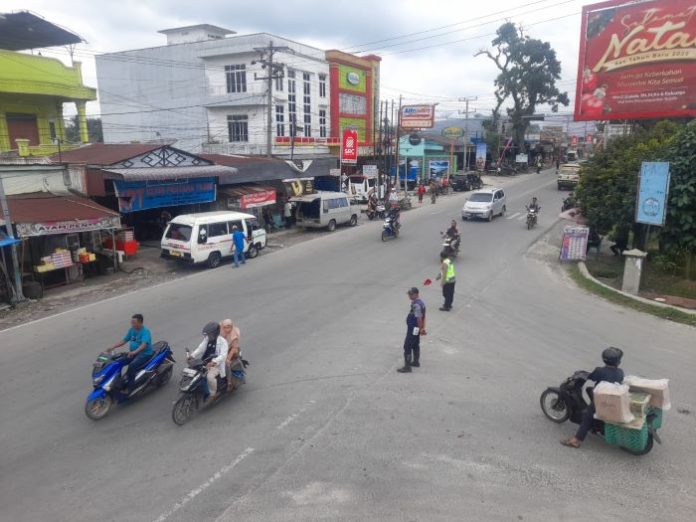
column 275, row 71
column 398, row 128
column 18, row 295
column 466, row 101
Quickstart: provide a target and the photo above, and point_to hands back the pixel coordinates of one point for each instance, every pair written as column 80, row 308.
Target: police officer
column 415, row 327
column 447, row 278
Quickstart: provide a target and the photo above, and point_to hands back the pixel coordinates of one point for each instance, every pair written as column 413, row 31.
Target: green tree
column 609, row 179
column 528, row 73
column 679, row 233
column 94, row 130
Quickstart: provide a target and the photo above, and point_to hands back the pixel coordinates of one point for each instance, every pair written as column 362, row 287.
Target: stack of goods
column 125, row 235
column 612, row 403
column 46, row 264
column 85, row 257
column 657, row 388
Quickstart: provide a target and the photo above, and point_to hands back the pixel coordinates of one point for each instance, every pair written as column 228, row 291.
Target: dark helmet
column 211, row 330
column 612, row 356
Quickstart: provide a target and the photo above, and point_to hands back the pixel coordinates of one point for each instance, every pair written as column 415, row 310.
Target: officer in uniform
column 415, row 327
column 448, row 278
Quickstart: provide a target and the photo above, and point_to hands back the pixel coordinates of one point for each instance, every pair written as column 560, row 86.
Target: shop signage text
column 142, row 195
column 50, row 228
column 349, row 146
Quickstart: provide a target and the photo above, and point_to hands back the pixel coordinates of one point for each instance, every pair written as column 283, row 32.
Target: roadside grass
column 617, row 298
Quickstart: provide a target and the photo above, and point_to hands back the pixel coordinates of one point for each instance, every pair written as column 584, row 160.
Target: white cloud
column 441, row 68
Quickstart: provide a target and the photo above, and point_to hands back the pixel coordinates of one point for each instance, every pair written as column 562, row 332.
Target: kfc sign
column 637, row 60
column 349, row 146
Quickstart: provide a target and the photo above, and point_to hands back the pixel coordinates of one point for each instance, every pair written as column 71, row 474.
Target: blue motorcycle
column 390, row 229
column 110, row 385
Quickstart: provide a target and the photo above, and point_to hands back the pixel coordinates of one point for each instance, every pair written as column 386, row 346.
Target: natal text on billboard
column 637, row 60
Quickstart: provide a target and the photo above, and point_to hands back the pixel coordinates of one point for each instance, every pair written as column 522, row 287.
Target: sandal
column 570, row 443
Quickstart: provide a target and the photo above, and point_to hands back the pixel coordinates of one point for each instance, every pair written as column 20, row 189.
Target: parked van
column 207, row 237
column 325, row 209
column 362, row 186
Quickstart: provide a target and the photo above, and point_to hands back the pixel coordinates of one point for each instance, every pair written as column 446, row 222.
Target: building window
column 307, row 103
column 280, row 120
column 236, row 78
column 322, row 123
column 279, row 81
column 322, row 86
column 238, row 128
column 292, row 102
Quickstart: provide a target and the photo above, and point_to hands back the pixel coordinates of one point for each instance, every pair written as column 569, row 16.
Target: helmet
column 612, row 356
column 211, row 329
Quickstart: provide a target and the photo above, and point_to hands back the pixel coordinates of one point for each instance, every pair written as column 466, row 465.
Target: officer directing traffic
column 415, row 327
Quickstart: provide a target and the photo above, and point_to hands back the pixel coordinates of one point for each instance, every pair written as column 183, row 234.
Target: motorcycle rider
column 453, row 233
column 610, row 372
column 140, row 348
column 534, row 205
column 231, row 334
column 213, row 347
column 394, row 214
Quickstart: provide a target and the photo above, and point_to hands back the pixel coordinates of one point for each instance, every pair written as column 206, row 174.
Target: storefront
column 62, row 238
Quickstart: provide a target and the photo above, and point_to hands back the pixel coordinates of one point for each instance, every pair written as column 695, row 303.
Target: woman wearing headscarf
column 234, row 355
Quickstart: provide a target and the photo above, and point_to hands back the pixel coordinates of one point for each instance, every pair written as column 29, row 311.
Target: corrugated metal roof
column 25, row 30
column 40, row 207
column 106, row 153
column 162, row 173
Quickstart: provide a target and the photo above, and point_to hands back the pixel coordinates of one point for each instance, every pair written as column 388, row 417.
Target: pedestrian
column 287, row 213
column 415, row 327
column 447, row 280
column 433, row 191
column 268, row 220
column 238, row 246
column 421, row 192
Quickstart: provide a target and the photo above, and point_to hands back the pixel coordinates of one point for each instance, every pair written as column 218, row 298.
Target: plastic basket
column 631, row 439
column 657, row 421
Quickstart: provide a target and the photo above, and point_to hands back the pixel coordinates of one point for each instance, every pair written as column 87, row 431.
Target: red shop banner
column 258, row 199
column 349, row 146
column 637, row 60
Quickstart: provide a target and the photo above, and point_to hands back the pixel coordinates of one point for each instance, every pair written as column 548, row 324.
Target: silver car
column 485, row 204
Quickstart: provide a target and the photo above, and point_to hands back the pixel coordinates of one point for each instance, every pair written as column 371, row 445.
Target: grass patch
column 665, row 313
column 659, row 282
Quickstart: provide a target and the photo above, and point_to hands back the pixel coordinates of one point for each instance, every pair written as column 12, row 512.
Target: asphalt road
column 325, row 429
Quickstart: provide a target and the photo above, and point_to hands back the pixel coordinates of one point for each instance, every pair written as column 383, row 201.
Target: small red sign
column 258, row 199
column 349, row 146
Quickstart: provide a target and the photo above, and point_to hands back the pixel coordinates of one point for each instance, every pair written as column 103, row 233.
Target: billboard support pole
column 398, row 128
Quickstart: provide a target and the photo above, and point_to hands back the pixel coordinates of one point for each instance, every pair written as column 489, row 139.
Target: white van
column 362, row 186
column 325, row 209
column 207, row 237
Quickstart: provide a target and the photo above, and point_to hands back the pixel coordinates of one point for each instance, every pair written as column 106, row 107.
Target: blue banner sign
column 653, row 189
column 142, row 195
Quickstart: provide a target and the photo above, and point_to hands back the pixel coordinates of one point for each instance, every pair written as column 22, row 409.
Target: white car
column 485, row 204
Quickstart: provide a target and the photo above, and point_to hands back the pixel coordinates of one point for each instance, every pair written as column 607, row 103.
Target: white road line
column 292, row 417
column 200, row 489
column 513, row 216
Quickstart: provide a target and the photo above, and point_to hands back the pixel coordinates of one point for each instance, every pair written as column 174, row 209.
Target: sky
column 427, row 48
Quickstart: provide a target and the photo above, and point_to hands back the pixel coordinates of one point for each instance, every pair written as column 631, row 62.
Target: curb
column 586, row 274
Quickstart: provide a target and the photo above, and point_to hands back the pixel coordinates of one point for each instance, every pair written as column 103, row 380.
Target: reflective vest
column 449, row 274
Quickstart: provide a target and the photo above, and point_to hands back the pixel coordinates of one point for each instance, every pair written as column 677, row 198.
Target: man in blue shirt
column 415, row 327
column 238, row 244
column 139, row 341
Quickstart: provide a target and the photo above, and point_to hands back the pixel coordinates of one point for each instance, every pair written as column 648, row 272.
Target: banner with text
column 142, row 195
column 349, row 147
column 637, row 60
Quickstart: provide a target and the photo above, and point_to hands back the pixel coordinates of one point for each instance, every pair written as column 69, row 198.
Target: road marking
column 200, row 489
column 292, row 417
column 513, row 216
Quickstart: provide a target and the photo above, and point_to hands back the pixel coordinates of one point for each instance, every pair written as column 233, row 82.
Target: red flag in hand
column 427, row 282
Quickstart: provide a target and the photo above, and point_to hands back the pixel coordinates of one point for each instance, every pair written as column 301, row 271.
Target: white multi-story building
column 204, row 91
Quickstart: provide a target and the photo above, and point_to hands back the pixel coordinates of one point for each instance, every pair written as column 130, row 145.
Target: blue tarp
column 6, row 241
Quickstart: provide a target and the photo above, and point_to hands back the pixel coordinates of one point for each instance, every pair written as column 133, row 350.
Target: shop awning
column 249, row 196
column 43, row 214
column 166, row 173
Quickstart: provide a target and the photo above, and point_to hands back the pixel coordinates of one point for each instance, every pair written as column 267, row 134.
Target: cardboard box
column 657, row 388
column 612, row 403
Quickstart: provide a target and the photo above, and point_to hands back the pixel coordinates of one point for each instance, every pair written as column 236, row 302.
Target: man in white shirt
column 213, row 347
column 287, row 213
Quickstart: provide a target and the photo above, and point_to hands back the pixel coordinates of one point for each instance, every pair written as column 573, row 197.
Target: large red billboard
column 637, row 60
column 349, row 146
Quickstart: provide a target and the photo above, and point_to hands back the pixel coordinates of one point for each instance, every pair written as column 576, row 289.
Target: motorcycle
column 450, row 248
column 566, row 402
column 532, row 216
column 390, row 229
column 568, row 203
column 110, row 385
column 193, row 385
column 377, row 211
